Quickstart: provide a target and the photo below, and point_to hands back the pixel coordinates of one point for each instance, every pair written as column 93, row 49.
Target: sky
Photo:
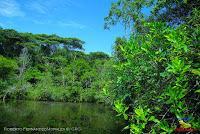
column 83, row 19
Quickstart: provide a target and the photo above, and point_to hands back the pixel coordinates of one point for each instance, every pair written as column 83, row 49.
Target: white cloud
column 6, row 24
column 42, row 22
column 10, row 8
column 71, row 24
column 49, row 6
column 39, row 7
column 2, row 25
column 61, row 23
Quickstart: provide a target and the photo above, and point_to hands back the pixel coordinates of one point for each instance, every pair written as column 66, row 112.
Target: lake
column 58, row 117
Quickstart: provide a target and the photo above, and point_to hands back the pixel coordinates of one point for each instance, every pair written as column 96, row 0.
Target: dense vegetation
column 49, row 67
column 152, row 79
column 156, row 72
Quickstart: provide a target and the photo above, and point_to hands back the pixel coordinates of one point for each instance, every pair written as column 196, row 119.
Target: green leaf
column 135, row 128
column 197, row 91
column 126, row 127
column 152, row 118
column 196, row 71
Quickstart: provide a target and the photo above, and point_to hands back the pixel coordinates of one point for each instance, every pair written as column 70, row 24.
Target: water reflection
column 74, row 117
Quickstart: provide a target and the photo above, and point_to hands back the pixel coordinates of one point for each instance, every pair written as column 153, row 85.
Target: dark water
column 56, row 117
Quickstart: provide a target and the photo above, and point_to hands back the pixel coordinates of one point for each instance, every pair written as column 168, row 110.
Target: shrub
column 155, row 77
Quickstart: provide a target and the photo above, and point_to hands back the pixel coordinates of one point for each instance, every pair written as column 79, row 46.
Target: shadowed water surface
column 80, row 118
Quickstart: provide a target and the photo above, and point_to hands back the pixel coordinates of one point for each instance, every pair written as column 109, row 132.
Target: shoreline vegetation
column 49, row 67
column 151, row 80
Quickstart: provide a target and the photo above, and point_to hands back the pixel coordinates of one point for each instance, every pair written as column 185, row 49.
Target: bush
column 153, row 84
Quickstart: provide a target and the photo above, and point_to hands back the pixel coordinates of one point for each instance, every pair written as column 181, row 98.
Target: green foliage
column 152, row 80
column 49, row 67
column 121, row 108
column 133, row 13
column 140, row 120
column 153, row 76
column 7, row 67
column 12, row 42
column 98, row 55
column 33, row 75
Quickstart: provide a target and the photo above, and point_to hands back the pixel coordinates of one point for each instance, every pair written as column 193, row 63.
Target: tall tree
column 132, row 12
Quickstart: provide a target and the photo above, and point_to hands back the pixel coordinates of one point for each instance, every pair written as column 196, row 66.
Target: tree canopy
column 12, row 42
column 132, row 12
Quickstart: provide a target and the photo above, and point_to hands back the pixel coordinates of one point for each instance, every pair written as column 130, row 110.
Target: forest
column 49, row 67
column 151, row 79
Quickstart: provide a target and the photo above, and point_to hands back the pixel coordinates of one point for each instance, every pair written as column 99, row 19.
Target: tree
column 98, row 55
column 156, row 65
column 7, row 67
column 131, row 12
column 160, row 59
column 12, row 42
column 24, row 61
column 50, row 68
column 119, row 42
